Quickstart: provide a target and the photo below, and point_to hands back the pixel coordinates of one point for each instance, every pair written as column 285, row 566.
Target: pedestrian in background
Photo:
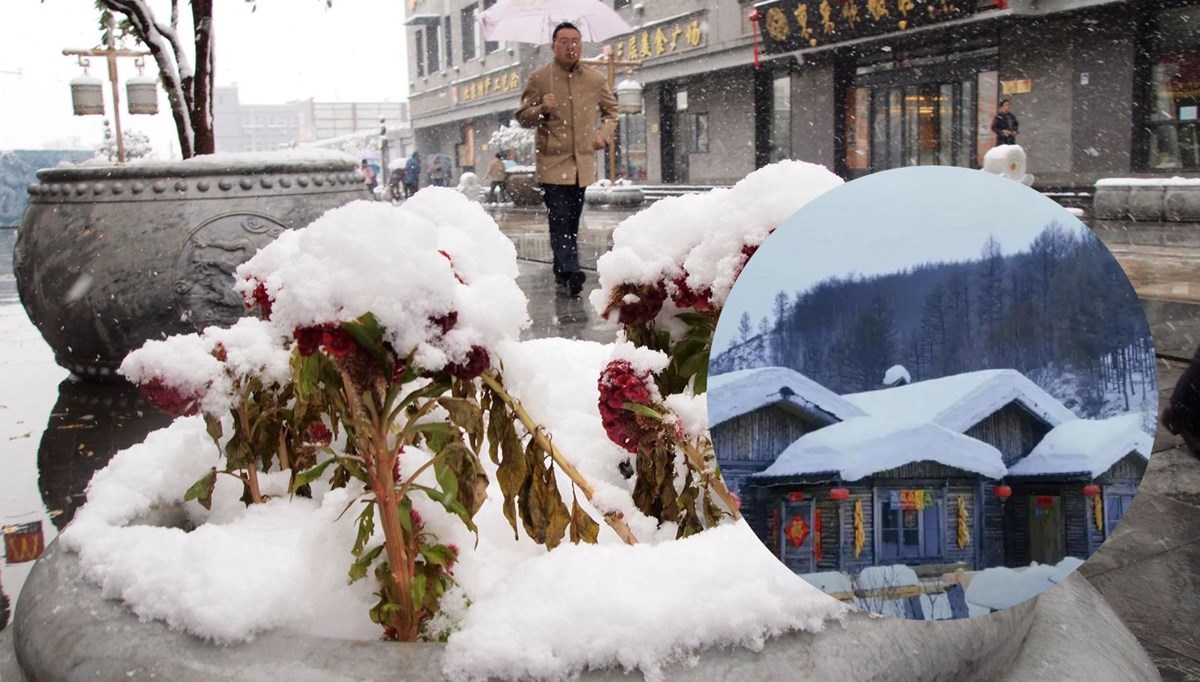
column 369, row 178
column 412, row 175
column 562, row 101
column 1005, row 123
column 498, row 176
column 437, row 172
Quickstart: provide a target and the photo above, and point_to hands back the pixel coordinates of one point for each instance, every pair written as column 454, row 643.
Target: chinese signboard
column 663, row 40
column 491, row 85
column 910, row 499
column 789, row 25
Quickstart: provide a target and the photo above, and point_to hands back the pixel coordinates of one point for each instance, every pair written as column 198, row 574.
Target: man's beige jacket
column 565, row 137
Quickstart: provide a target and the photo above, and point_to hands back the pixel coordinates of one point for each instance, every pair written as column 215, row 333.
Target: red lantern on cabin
column 1091, row 490
column 839, row 494
column 1003, row 492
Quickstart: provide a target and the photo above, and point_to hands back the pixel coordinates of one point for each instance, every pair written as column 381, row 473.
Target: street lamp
column 86, row 93
column 610, row 63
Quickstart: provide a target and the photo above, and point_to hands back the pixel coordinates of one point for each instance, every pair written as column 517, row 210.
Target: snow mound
column 999, row 588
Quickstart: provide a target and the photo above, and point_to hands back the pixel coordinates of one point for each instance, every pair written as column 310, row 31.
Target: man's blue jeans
column 564, row 204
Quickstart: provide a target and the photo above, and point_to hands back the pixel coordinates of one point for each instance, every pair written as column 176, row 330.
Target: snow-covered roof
column 960, row 401
column 1088, row 446
column 862, row 446
column 737, row 393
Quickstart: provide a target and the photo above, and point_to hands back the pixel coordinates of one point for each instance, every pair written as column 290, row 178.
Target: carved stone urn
column 108, row 257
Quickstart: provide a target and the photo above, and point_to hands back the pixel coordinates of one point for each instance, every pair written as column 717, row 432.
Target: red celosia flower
column 169, row 399
column 320, row 434
column 620, row 384
column 477, row 361
column 445, row 322
column 308, row 339
column 684, row 297
column 262, row 300
column 337, row 341
column 219, row 352
column 396, row 466
column 648, row 300
column 415, row 517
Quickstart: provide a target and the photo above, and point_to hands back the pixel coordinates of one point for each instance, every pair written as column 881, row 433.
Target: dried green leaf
column 311, row 474
column 366, row 527
column 638, row 408
column 358, row 569
column 583, row 527
column 202, row 490
column 512, row 475
column 471, row 481
column 213, row 425
column 468, row 416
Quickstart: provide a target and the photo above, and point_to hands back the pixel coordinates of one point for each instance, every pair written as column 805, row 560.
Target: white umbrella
column 532, row 21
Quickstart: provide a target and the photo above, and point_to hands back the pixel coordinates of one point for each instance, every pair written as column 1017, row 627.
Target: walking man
column 1005, row 124
column 563, row 100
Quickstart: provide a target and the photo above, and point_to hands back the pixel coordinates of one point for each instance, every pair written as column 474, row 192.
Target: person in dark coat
column 1005, row 123
column 412, row 175
column 1182, row 414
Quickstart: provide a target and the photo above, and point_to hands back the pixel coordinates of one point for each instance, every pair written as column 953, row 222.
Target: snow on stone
column 1088, row 446
column 734, row 394
column 999, row 588
column 896, row 373
column 706, row 232
column 1175, row 181
column 960, row 401
column 638, row 607
column 862, row 446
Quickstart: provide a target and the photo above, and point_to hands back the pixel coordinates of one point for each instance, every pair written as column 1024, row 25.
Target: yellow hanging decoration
column 1098, row 513
column 860, row 535
column 963, row 535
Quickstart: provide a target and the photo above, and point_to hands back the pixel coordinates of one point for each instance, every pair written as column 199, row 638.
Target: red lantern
column 1003, row 492
column 1091, row 490
column 839, row 494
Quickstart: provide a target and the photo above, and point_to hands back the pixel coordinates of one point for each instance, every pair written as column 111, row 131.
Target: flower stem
column 614, row 518
column 714, row 482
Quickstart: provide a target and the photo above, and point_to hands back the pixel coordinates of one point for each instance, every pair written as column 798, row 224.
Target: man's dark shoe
column 575, row 282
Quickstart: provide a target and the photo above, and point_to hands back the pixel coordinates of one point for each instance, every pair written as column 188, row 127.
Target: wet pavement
column 54, row 433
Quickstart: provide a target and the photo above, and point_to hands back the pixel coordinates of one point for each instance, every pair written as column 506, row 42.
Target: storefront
column 1171, row 96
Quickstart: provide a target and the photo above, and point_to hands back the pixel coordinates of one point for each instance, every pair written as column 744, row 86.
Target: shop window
column 470, row 31
column 1173, row 112
column 449, row 43
column 781, row 118
column 633, row 159
column 420, row 52
column 491, row 45
column 910, row 526
column 858, row 132
column 432, row 46
column 988, row 94
column 618, row 4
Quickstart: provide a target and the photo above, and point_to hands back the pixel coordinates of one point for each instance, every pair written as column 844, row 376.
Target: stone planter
column 1111, row 202
column 1181, row 202
column 1146, row 202
column 108, row 257
column 524, row 189
column 65, row 629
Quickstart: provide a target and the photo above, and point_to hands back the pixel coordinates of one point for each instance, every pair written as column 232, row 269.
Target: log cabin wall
column 760, row 435
column 850, row 563
column 995, row 544
column 1077, row 509
column 1129, row 469
column 1012, row 430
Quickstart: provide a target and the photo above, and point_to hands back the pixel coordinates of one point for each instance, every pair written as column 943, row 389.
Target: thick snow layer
column 1088, row 446
column 737, row 393
column 960, row 401
column 705, row 232
column 530, row 611
column 999, row 588
column 862, row 446
column 634, row 607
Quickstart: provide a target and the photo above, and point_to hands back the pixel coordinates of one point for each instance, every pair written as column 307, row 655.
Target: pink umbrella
column 532, row 21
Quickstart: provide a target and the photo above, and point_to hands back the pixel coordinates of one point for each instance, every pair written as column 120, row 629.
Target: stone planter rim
column 158, row 169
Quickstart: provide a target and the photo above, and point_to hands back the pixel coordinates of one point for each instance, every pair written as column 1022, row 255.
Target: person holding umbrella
column 562, row 101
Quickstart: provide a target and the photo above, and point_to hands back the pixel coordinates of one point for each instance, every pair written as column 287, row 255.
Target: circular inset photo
column 934, row 391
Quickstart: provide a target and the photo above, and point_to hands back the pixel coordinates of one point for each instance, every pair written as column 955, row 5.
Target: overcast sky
column 285, row 50
column 883, row 223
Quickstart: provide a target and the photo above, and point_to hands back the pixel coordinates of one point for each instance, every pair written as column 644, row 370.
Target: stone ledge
column 65, row 630
column 1146, row 199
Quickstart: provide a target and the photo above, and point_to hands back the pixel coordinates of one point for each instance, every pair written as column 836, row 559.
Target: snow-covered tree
column 137, row 144
column 186, row 75
column 514, row 137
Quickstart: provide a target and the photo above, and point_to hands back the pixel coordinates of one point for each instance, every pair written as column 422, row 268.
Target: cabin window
column 910, row 525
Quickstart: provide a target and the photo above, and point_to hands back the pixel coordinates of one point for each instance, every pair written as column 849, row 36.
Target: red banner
column 23, row 543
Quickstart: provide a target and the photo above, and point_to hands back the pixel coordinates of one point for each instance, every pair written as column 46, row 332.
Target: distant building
column 264, row 127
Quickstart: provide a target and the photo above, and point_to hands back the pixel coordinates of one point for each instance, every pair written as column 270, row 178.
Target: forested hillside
column 1061, row 312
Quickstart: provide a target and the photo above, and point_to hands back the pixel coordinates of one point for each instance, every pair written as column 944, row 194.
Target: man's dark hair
column 565, row 24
